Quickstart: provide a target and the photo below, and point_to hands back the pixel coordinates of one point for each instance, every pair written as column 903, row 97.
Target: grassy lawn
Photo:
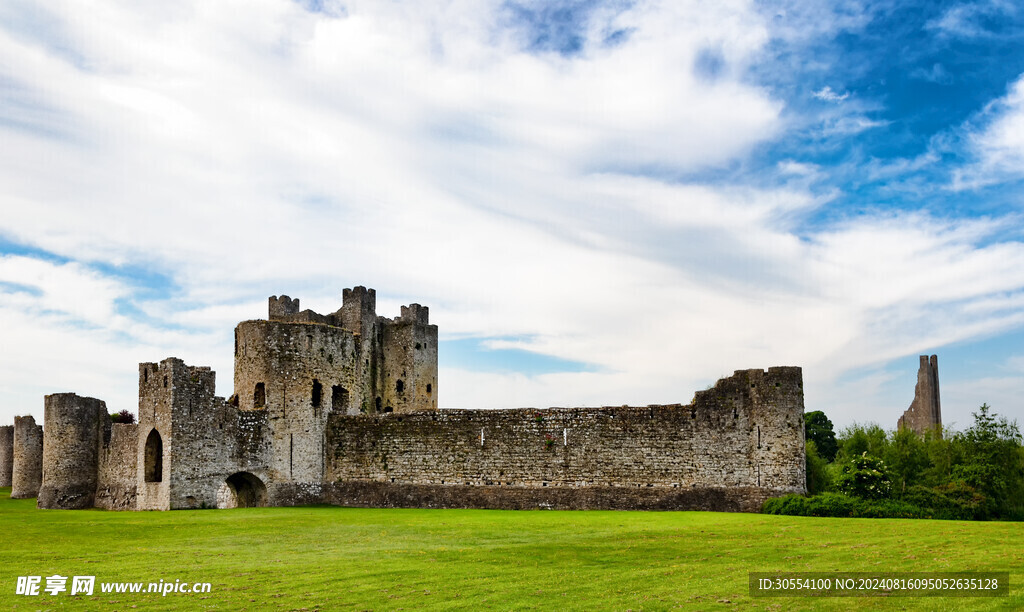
column 330, row 558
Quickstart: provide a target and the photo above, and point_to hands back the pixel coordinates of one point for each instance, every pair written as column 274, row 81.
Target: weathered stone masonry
column 75, row 427
column 734, row 446
column 27, row 472
column 342, row 408
column 6, row 455
column 925, row 412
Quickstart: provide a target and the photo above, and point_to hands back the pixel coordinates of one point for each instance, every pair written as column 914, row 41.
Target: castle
column 342, row 409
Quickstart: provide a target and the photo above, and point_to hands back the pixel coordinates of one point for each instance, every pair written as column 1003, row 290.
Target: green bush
column 942, row 506
column 842, row 506
column 124, row 416
column 865, row 477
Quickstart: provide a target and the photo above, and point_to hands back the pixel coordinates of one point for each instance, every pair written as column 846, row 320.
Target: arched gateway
column 242, row 490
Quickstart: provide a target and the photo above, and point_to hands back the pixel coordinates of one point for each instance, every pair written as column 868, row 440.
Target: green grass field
column 328, row 558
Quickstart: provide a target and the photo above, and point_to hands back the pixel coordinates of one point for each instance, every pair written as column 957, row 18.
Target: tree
column 125, row 416
column 818, row 429
column 858, row 439
column 907, row 458
column 818, row 477
column 988, row 458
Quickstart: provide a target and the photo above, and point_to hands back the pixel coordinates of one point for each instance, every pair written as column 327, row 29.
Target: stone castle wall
column 75, row 428
column 342, row 408
column 6, row 455
column 200, row 437
column 118, row 473
column 27, row 472
column 733, row 447
column 297, row 373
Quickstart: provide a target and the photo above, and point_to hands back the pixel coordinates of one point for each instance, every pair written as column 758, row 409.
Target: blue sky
column 602, row 202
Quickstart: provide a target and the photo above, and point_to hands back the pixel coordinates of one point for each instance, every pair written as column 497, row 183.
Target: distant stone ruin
column 925, row 413
column 342, row 409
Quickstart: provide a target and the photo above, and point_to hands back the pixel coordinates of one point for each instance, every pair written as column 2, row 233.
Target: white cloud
column 826, row 94
column 850, row 124
column 966, row 20
column 998, row 145
column 257, row 149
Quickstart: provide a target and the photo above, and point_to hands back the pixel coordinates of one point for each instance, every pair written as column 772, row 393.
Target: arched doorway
column 154, row 466
column 242, row 490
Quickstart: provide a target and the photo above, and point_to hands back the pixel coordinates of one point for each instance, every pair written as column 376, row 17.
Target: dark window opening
column 318, row 391
column 376, row 404
column 145, row 374
column 417, row 345
column 399, row 386
column 339, row 398
column 429, row 387
column 259, row 396
column 154, row 457
column 165, row 382
column 389, row 409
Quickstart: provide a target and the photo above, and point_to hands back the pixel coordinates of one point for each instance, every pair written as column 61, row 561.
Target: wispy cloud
column 997, row 145
column 588, row 182
column 826, row 94
column 972, row 19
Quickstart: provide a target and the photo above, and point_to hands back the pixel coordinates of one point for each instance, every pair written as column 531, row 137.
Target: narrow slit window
column 318, row 391
column 259, row 396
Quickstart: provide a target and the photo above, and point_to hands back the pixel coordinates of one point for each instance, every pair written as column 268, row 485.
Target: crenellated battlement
column 414, row 313
column 282, row 307
column 358, row 309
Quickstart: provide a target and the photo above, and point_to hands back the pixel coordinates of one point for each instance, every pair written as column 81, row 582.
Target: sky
column 601, row 202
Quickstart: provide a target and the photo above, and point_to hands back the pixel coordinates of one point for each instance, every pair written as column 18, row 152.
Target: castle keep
column 342, row 408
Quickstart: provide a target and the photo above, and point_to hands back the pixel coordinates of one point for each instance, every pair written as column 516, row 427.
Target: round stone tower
column 27, row 474
column 73, row 428
column 6, row 454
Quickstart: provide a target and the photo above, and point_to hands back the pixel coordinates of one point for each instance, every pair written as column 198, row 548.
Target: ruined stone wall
column 73, row 432
column 6, row 454
column 925, row 412
column 211, row 441
column 733, row 447
column 199, row 434
column 27, row 474
column 153, row 448
column 410, row 361
column 118, row 474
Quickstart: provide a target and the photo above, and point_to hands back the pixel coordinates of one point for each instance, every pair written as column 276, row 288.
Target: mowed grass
column 329, row 558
